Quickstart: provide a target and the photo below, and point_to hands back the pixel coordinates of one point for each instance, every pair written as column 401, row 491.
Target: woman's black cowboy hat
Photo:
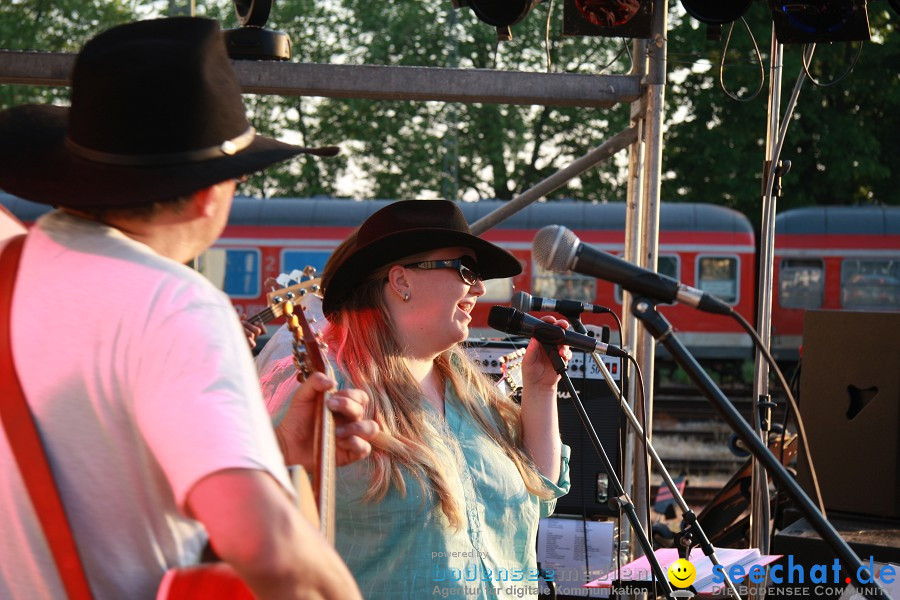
column 405, row 228
column 156, row 114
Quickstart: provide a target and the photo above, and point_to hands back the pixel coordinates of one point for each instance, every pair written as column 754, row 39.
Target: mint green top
column 405, row 548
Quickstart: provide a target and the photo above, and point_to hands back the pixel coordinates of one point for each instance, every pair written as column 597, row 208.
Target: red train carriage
column 834, row 257
column 707, row 246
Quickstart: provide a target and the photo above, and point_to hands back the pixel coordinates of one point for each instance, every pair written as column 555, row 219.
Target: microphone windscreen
column 521, row 301
column 554, row 248
column 501, row 317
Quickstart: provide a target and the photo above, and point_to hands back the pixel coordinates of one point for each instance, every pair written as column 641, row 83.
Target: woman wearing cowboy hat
column 449, row 501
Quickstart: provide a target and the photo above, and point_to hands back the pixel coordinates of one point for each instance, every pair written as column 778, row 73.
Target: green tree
column 54, row 26
column 841, row 141
column 407, row 149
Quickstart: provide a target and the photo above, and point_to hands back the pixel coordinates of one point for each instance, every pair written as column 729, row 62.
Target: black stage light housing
column 716, row 12
column 816, row 21
column 499, row 13
column 253, row 13
column 251, row 41
column 608, row 18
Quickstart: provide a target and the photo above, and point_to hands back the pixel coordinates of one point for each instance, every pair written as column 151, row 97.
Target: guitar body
column 215, row 581
column 218, row 581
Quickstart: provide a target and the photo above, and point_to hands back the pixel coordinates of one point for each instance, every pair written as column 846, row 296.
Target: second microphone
column 515, row 322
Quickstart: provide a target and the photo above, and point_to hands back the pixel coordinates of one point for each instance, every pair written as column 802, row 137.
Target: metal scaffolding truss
column 375, row 82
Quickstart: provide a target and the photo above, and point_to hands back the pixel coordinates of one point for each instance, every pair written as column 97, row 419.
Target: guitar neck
column 264, row 316
column 324, row 480
column 307, row 348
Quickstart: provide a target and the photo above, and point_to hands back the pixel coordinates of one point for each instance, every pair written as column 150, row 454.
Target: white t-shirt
column 138, row 373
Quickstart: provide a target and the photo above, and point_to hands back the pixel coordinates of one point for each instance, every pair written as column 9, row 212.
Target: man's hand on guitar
column 352, row 431
column 253, row 332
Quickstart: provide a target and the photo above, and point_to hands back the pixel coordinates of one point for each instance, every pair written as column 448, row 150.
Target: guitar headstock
column 293, row 288
column 305, row 321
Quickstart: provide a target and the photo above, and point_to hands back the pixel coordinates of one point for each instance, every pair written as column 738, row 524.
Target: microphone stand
column 688, row 515
column 622, row 500
column 644, row 309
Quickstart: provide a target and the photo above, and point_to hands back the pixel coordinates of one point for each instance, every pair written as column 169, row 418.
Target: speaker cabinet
column 591, row 488
column 850, row 402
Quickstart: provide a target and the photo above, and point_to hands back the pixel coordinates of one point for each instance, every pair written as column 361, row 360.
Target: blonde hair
column 366, row 349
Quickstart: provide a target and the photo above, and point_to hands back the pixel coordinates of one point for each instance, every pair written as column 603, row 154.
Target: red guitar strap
column 21, row 431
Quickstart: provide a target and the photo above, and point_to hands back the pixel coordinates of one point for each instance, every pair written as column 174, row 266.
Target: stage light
column 716, row 12
column 251, row 41
column 820, row 21
column 252, row 13
column 499, row 13
column 608, row 18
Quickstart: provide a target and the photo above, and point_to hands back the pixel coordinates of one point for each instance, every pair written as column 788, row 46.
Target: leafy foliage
column 54, row 26
column 841, row 141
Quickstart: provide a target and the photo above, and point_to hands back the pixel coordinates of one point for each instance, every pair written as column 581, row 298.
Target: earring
column 405, row 297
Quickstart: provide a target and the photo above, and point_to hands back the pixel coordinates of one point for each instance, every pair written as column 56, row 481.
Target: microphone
column 526, row 303
column 556, row 248
column 515, row 322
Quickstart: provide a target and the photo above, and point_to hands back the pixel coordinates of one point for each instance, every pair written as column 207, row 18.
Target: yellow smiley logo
column 682, row 573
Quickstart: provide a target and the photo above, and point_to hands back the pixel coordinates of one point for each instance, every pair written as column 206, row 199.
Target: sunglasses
column 466, row 265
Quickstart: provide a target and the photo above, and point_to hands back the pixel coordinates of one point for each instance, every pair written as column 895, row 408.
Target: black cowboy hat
column 405, row 228
column 156, row 114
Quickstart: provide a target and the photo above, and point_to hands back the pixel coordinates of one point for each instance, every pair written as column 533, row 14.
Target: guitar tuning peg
column 283, row 280
column 291, row 295
column 277, row 299
column 297, row 275
column 271, row 283
column 315, row 288
column 310, row 272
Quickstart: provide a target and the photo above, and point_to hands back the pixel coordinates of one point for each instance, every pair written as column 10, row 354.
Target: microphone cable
column 801, row 428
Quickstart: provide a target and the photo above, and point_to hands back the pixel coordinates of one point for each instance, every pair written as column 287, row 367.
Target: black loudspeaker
column 591, row 490
column 850, row 402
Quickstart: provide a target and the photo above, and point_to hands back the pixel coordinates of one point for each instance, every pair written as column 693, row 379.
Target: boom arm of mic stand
column 689, row 515
column 644, row 309
column 624, row 502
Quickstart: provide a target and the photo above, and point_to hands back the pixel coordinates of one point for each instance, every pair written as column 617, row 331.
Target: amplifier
column 590, row 481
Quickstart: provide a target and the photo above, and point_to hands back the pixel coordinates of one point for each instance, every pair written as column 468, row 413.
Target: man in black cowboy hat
column 143, row 390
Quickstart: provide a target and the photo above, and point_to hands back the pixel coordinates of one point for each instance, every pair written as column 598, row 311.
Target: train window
column 801, row 283
column 568, row 286
column 233, row 270
column 497, row 290
column 718, row 275
column 870, row 283
column 300, row 259
column 666, row 264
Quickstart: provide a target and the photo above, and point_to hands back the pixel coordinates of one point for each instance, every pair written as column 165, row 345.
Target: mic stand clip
column 621, row 498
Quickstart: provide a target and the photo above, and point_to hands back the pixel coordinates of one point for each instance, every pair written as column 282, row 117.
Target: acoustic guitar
column 219, row 581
